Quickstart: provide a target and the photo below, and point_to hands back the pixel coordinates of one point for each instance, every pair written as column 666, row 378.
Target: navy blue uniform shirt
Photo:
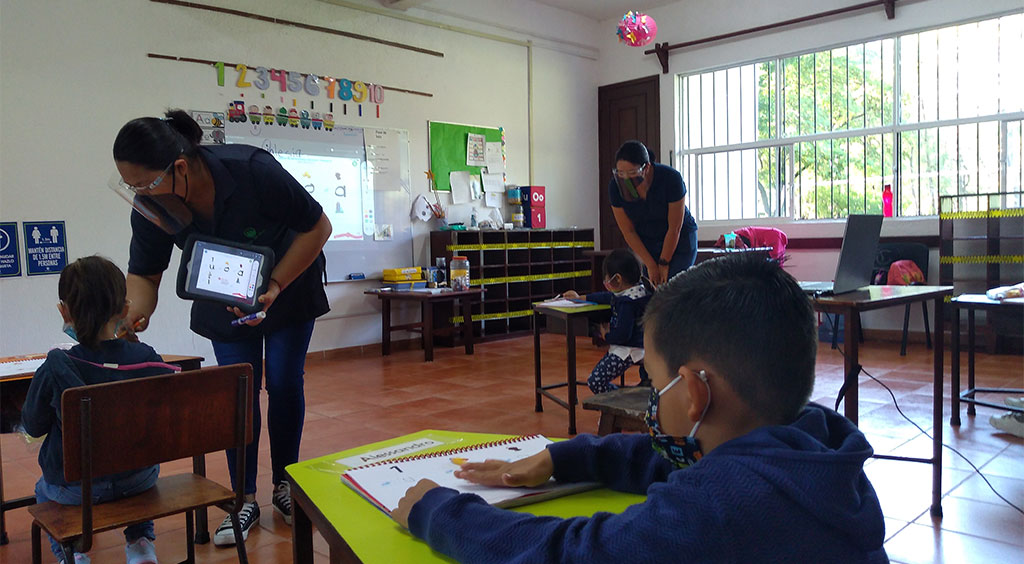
column 257, row 202
column 650, row 215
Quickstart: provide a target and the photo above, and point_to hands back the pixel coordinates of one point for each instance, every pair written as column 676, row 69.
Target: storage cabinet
column 515, row 269
column 981, row 247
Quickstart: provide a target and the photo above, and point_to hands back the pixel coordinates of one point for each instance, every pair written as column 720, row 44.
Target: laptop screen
column 857, row 256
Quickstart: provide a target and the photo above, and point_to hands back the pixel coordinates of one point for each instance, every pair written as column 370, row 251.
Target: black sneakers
column 248, row 517
column 282, row 501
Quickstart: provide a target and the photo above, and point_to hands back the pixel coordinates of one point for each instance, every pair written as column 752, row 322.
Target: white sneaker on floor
column 1015, row 402
column 282, row 501
column 247, row 519
column 80, row 558
column 140, row 551
column 1012, row 423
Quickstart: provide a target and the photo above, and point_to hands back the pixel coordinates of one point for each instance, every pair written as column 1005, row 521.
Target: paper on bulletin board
column 475, row 187
column 459, row 180
column 475, row 149
column 493, row 199
column 494, row 182
column 493, row 158
column 382, row 156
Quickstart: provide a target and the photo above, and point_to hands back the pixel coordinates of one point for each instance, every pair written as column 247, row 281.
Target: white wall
column 71, row 73
column 688, row 20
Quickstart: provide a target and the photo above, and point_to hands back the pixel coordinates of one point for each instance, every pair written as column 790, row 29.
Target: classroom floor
column 353, row 401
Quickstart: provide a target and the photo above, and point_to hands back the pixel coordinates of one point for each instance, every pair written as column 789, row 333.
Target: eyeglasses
column 151, row 185
column 628, row 173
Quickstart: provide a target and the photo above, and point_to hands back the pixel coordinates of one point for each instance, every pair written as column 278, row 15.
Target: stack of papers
column 566, row 302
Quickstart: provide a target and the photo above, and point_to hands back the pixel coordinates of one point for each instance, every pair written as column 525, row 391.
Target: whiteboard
column 361, row 178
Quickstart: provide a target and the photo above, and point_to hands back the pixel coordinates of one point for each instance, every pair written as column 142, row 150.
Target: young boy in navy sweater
column 738, row 467
column 624, row 333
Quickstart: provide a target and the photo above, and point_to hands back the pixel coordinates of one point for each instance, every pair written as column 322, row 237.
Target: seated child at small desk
column 93, row 305
column 738, row 467
column 624, row 332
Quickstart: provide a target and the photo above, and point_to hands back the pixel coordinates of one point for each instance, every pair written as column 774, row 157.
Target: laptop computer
column 856, row 258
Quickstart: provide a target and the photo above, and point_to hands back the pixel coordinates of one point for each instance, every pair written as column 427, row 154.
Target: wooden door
column 626, row 110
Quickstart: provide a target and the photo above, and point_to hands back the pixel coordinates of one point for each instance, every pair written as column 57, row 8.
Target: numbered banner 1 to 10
column 292, row 81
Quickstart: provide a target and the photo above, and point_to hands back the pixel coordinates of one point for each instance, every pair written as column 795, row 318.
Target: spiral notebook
column 384, row 483
column 14, row 365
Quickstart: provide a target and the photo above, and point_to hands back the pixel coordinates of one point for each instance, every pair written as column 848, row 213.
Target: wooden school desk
column 16, row 385
column 357, row 531
column 426, row 324
column 850, row 305
column 567, row 314
column 972, row 303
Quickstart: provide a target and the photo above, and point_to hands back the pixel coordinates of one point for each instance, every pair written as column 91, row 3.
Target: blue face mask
column 680, row 451
column 70, row 331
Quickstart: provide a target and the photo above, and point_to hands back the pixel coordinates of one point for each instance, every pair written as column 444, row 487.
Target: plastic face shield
column 166, row 211
column 628, row 181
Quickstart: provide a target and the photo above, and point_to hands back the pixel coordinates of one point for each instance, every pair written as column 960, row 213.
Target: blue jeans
column 285, row 366
column 103, row 489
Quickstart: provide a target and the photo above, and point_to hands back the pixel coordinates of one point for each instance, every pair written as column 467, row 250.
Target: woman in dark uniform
column 649, row 203
column 238, row 193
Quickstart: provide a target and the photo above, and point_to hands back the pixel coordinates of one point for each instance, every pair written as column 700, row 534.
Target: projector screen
column 361, row 178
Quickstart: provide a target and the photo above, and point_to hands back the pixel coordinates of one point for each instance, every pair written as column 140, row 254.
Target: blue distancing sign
column 10, row 264
column 46, row 249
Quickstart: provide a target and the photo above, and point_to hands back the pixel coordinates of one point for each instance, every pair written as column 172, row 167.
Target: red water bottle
column 887, row 201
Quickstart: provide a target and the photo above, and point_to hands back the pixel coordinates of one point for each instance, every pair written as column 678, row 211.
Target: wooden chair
column 119, row 426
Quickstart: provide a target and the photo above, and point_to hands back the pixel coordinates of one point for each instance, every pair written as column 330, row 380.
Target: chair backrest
column 139, row 422
column 889, row 253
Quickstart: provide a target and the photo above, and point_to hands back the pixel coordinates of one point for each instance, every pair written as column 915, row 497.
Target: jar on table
column 459, row 275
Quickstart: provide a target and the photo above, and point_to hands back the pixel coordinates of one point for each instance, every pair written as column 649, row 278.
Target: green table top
column 374, row 537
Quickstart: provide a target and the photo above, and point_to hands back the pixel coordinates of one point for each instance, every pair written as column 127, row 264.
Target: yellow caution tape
column 499, row 315
column 1015, row 212
column 540, row 245
column 982, row 259
column 531, row 278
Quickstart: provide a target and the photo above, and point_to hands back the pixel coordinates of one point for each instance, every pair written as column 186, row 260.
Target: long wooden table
column 16, row 385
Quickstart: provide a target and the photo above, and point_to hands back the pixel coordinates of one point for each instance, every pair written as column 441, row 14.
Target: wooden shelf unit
column 981, row 247
column 515, row 268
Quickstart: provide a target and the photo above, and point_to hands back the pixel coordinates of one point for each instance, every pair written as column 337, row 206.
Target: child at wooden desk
column 624, row 333
column 738, row 467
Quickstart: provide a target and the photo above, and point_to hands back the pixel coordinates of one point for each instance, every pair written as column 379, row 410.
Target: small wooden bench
column 621, row 410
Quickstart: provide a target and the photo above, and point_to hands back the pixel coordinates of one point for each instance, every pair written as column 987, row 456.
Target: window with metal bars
column 818, row 135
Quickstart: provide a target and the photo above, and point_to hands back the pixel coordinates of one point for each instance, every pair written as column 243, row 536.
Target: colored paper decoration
column 636, row 29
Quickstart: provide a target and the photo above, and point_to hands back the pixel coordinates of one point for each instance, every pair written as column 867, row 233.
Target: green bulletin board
column 448, row 149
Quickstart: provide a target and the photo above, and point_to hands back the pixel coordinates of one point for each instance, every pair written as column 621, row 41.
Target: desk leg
column 385, row 327
column 428, row 331
column 970, row 359
column 467, row 324
column 536, row 362
column 302, row 535
column 937, row 382
column 954, row 364
column 850, row 364
column 570, row 369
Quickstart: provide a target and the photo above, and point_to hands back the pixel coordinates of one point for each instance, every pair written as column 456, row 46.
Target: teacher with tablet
column 649, row 204
column 252, row 240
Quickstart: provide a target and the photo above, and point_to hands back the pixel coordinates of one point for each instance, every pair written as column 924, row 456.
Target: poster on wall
column 329, row 164
column 10, row 265
column 212, row 124
column 46, row 248
column 382, row 159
